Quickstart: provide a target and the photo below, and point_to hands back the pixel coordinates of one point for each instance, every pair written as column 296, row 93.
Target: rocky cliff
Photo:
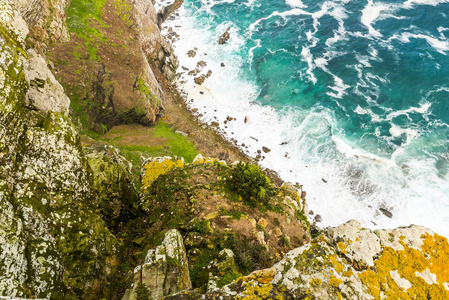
column 82, row 219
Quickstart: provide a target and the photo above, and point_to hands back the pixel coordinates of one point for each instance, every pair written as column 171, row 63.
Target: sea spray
column 348, row 96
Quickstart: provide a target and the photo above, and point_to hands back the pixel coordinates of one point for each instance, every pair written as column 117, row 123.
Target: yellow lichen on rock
column 253, row 291
column 155, row 167
column 425, row 269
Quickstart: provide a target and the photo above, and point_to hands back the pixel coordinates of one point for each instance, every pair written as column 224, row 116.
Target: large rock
column 45, row 92
column 165, row 271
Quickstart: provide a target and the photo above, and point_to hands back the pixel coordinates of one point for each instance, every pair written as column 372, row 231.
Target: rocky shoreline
column 93, row 209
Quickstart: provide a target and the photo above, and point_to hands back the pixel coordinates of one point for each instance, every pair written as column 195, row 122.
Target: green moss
column 84, row 16
column 228, row 277
column 235, row 214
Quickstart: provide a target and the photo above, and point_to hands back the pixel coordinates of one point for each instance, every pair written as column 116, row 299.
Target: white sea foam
column 411, row 3
column 342, row 180
column 369, row 15
column 285, row 14
column 295, row 3
column 422, row 109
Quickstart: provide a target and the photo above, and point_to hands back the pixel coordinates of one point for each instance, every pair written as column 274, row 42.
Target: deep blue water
column 361, row 78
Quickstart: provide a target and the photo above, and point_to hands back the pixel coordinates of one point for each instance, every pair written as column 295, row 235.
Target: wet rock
column 224, row 37
column 386, row 212
column 265, row 149
column 200, row 79
column 191, row 53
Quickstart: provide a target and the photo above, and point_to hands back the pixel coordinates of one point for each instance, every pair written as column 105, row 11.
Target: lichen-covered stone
column 410, row 263
column 165, row 271
column 53, row 242
column 113, row 184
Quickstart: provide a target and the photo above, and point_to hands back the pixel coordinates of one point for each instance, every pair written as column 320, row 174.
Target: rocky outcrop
column 52, row 241
column 350, row 262
column 167, row 11
column 224, row 37
column 165, row 270
column 117, row 196
column 217, row 217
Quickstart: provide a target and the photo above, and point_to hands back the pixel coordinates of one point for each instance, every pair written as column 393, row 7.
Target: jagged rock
column 357, row 244
column 200, row 79
column 117, row 196
column 405, row 265
column 165, row 271
column 53, row 244
column 191, row 53
column 222, row 270
column 224, row 37
column 166, row 11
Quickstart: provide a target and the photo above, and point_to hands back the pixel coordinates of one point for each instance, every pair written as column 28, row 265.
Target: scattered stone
column 201, row 64
column 311, row 212
column 265, row 149
column 229, row 118
column 318, row 218
column 283, row 143
column 191, row 53
column 200, row 79
column 277, row 232
column 325, row 181
column 224, row 37
column 246, row 120
column 260, row 236
column 209, row 73
column 253, row 222
column 182, row 133
column 211, row 215
column 303, row 194
column 222, row 64
column 202, row 93
column 386, row 212
column 215, row 123
column 262, row 222
column 195, row 109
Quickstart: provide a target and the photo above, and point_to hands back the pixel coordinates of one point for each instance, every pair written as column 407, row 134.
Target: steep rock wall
column 52, row 241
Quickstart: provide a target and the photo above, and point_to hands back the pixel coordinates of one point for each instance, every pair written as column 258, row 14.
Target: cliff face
column 75, row 225
column 45, row 183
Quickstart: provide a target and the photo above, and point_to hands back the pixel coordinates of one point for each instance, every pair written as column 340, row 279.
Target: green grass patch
column 235, row 214
column 84, row 16
column 178, row 144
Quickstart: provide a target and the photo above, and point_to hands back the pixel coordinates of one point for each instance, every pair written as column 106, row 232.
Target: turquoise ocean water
column 352, row 98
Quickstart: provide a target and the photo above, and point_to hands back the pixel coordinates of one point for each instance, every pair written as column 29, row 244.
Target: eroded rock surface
column 403, row 263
